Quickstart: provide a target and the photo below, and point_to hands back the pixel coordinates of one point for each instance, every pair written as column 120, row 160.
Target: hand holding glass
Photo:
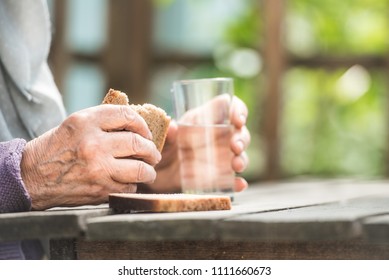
column 203, row 111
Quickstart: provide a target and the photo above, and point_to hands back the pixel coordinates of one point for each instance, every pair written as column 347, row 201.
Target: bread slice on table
column 137, row 202
column 156, row 118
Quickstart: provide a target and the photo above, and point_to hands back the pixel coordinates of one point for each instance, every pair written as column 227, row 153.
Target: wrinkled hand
column 168, row 175
column 94, row 152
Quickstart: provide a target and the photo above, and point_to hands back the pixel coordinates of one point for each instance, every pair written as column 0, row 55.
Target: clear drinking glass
column 203, row 111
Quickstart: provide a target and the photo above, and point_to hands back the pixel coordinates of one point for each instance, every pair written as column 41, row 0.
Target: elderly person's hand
column 168, row 175
column 94, row 152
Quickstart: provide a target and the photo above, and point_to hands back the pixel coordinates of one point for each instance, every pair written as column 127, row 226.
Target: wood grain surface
column 281, row 212
column 214, row 250
column 337, row 219
column 54, row 223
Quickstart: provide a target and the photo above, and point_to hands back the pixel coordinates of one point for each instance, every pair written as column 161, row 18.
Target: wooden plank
column 211, row 225
column 56, row 223
column 59, row 56
column 275, row 64
column 386, row 156
column 334, row 221
column 129, row 50
column 63, row 249
column 273, row 196
column 221, row 250
column 96, row 224
column 376, row 229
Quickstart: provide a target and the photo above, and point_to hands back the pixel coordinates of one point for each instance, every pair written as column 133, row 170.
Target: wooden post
column 386, row 115
column 59, row 55
column 275, row 63
column 128, row 53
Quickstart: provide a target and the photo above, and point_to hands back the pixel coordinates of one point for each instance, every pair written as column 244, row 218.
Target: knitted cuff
column 13, row 194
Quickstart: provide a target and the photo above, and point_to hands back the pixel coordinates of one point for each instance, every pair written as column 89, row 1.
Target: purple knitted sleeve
column 13, row 195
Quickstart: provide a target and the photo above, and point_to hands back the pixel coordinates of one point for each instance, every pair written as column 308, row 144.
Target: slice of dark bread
column 156, row 118
column 137, row 202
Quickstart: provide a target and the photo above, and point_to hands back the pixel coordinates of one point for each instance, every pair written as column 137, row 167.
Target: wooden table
column 295, row 220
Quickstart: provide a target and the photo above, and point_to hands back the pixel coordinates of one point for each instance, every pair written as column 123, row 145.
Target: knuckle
column 88, row 147
column 136, row 144
column 141, row 174
column 77, row 119
column 97, row 192
column 127, row 114
column 145, row 173
column 73, row 125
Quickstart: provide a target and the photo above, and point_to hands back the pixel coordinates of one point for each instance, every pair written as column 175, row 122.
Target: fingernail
column 240, row 145
column 245, row 187
column 132, row 188
column 159, row 157
column 243, row 118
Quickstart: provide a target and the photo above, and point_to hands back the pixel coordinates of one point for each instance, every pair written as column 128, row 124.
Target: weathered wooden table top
column 310, row 211
column 290, row 211
column 287, row 211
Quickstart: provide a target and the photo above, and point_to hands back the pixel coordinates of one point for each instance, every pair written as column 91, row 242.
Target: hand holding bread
column 94, row 152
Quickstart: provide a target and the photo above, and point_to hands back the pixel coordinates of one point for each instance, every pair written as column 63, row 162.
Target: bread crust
column 115, row 97
column 136, row 202
column 155, row 117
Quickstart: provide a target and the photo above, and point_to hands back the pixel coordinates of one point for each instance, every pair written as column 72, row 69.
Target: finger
column 240, row 163
column 240, row 184
column 218, row 109
column 239, row 112
column 131, row 171
column 121, row 117
column 99, row 193
column 128, row 144
column 215, row 111
column 171, row 133
column 116, row 187
column 129, row 188
column 240, row 140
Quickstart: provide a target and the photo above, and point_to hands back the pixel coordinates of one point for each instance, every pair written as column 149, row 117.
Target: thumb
column 171, row 133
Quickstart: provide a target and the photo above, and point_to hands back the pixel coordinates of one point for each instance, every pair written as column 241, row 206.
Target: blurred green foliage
column 335, row 27
column 325, row 132
column 333, row 121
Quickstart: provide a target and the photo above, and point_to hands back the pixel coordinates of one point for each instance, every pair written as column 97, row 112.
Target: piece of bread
column 157, row 121
column 115, row 97
column 137, row 202
column 156, row 118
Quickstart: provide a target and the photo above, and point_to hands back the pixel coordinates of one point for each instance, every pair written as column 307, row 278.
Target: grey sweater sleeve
column 13, row 194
